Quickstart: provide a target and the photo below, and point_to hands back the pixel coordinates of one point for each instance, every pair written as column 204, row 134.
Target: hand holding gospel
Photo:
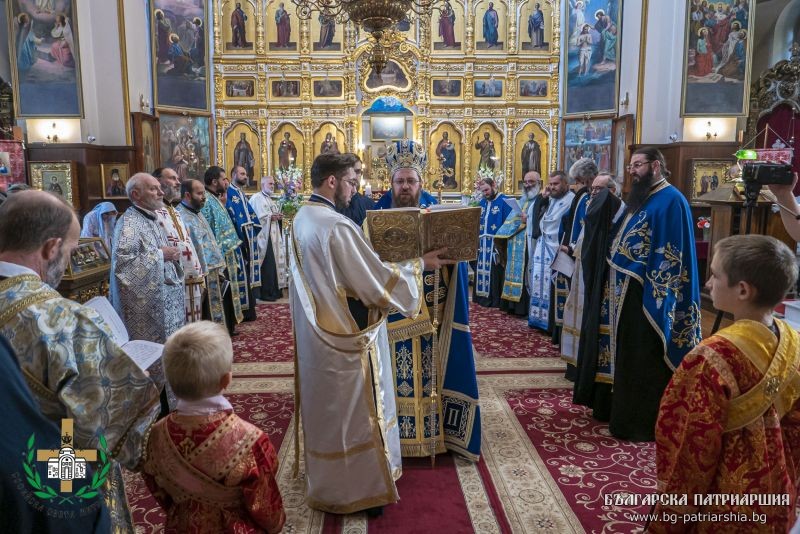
column 431, row 260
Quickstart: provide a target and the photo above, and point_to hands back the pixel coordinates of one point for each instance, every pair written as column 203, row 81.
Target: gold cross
column 44, row 455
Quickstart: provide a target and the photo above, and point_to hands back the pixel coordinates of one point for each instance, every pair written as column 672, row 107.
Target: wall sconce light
column 625, row 100
column 144, row 103
column 53, row 137
column 709, row 135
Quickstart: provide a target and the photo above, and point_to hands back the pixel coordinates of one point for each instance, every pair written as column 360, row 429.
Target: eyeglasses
column 409, row 182
column 635, row 166
column 596, row 188
column 353, row 183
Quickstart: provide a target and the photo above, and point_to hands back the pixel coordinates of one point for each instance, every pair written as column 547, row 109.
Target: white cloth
column 206, row 406
column 573, row 309
column 8, row 269
column 345, row 383
column 542, row 257
column 270, row 232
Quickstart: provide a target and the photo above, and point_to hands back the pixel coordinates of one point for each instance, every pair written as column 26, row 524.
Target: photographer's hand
column 790, row 208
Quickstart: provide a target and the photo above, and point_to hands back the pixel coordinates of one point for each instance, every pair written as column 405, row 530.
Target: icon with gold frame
column 59, row 177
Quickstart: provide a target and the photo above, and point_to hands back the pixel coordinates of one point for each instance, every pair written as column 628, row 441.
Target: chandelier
column 377, row 17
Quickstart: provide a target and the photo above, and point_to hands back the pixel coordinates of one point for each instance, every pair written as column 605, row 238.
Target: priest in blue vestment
column 653, row 274
column 457, row 418
column 247, row 227
column 489, row 274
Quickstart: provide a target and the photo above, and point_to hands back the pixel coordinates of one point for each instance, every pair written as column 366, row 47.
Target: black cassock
column 269, row 289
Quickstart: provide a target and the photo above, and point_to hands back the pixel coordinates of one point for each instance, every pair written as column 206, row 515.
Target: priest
column 247, row 229
column 582, row 173
column 603, row 215
column 225, row 233
column 411, row 340
column 72, row 363
column 339, row 303
column 488, row 272
column 516, row 232
column 271, row 248
column 193, row 198
column 545, row 250
column 146, row 271
column 178, row 236
column 652, row 274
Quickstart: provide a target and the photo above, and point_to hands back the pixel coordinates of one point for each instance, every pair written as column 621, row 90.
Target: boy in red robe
column 211, row 471
column 729, row 421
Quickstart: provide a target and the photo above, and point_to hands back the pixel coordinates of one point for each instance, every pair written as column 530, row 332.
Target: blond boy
column 729, row 420
column 210, row 470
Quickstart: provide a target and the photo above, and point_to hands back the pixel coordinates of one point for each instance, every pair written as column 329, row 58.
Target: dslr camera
column 760, row 173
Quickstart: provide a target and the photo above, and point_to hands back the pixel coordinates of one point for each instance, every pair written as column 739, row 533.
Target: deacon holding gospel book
column 411, row 339
column 341, row 295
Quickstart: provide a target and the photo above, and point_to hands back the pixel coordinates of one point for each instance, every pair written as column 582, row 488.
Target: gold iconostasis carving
column 287, row 89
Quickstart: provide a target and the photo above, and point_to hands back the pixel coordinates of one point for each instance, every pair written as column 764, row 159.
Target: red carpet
column 545, row 463
column 583, row 458
column 267, row 339
column 496, row 334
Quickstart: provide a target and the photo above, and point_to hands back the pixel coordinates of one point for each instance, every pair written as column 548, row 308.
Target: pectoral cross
column 45, row 455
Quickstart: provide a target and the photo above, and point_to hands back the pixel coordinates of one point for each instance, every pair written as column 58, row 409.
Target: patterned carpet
column 545, row 463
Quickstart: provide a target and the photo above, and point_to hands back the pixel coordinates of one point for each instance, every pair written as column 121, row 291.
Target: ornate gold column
column 305, row 37
column 469, row 131
column 307, row 126
column 508, row 183
column 512, row 28
column 260, row 42
column 221, row 125
column 264, row 141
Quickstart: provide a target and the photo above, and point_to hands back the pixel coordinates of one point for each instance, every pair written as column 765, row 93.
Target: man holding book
column 341, row 295
column 412, row 340
column 75, row 367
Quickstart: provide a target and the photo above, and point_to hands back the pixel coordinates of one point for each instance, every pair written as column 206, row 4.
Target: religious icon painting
column 325, row 35
column 284, row 88
column 623, row 131
column 488, row 88
column 114, row 176
column 387, row 128
column 491, row 20
column 444, row 157
column 238, row 27
column 531, row 150
column 180, row 68
column 487, row 149
column 328, row 139
column 393, row 76
column 12, row 163
column 536, row 26
column 591, row 51
column 287, row 148
column 448, row 27
column 282, row 27
column 145, row 142
column 59, row 177
column 707, row 175
column 240, row 88
column 446, row 88
column 586, row 138
column 45, row 58
column 717, row 58
column 242, row 150
column 328, row 88
column 185, row 144
column 533, row 88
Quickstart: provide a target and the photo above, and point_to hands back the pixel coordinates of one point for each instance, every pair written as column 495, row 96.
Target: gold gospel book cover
column 400, row 234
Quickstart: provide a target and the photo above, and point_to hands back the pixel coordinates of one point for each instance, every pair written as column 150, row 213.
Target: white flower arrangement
column 483, row 173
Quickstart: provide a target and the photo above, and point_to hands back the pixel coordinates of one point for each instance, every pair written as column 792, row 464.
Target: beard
column 54, row 271
column 530, row 193
column 170, row 194
column 640, row 189
column 406, row 200
column 340, row 200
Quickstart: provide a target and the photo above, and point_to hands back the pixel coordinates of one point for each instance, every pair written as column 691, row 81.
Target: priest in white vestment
column 270, row 242
column 340, row 296
column 546, row 249
column 179, row 237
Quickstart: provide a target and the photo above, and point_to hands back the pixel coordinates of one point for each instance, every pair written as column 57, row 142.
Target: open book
column 143, row 353
column 405, row 233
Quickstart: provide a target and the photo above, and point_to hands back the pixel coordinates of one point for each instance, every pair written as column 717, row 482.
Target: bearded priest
column 412, row 340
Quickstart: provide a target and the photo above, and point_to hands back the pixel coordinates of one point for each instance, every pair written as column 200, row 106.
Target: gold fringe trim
column 421, row 450
column 421, row 328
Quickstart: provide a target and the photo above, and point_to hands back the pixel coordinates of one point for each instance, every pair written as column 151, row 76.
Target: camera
column 767, row 174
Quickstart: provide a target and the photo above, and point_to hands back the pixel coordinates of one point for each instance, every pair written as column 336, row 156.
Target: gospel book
column 405, row 233
column 143, row 353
